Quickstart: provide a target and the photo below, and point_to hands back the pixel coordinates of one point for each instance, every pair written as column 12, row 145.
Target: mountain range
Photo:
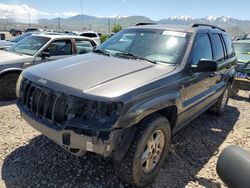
column 103, row 24
column 233, row 25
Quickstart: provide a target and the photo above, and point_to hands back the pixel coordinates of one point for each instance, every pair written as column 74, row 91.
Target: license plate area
column 241, row 75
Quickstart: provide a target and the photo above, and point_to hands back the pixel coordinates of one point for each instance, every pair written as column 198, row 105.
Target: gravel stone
column 29, row 159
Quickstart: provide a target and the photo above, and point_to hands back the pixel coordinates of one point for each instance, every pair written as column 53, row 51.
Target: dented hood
column 100, row 75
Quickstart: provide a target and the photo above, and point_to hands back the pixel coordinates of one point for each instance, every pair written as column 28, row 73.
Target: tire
column 219, row 107
column 131, row 169
column 8, row 86
column 234, row 91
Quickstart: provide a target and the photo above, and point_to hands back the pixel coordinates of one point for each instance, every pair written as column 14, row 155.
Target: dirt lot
column 28, row 159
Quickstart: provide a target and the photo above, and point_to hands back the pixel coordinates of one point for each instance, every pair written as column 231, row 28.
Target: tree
column 116, row 28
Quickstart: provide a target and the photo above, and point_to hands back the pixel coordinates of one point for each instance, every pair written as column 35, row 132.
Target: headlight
column 240, row 66
column 18, row 85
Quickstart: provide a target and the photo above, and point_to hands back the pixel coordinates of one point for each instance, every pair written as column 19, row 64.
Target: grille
column 43, row 103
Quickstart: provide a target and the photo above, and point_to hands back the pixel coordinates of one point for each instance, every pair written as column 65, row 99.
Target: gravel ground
column 28, row 159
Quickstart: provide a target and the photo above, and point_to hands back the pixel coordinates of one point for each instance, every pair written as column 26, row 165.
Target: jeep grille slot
column 42, row 103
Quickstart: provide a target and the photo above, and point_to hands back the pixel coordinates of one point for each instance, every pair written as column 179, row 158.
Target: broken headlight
column 95, row 111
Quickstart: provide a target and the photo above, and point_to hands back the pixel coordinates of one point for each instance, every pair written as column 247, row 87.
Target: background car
column 8, row 43
column 242, row 80
column 91, row 34
column 37, row 49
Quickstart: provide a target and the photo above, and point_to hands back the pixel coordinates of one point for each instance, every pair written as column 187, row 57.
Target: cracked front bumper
column 75, row 143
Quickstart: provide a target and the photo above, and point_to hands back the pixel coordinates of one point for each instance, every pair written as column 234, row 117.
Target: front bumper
column 242, row 83
column 75, row 143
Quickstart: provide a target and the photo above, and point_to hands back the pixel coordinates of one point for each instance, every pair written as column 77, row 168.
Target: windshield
column 17, row 39
column 242, row 48
column 29, row 45
column 152, row 45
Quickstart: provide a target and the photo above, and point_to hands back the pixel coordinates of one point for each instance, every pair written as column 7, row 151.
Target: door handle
column 213, row 74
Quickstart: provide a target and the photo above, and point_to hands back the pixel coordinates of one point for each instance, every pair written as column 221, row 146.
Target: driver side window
column 202, row 49
column 59, row 48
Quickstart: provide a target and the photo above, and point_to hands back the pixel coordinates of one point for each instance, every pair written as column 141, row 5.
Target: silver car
column 37, row 49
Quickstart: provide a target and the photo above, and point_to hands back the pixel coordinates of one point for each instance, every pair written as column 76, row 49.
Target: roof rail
column 208, row 25
column 145, row 24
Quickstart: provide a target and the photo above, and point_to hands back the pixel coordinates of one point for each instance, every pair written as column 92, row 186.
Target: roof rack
column 208, row 25
column 145, row 24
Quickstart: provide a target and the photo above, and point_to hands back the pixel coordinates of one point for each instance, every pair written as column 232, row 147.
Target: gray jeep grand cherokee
column 127, row 98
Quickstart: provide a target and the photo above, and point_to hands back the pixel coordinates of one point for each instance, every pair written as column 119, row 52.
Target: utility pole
column 28, row 16
column 82, row 13
column 59, row 25
column 109, row 25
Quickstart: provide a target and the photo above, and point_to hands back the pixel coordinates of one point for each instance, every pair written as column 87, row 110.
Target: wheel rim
column 153, row 151
column 224, row 98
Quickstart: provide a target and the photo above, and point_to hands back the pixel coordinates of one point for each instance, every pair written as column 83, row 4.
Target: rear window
column 91, row 35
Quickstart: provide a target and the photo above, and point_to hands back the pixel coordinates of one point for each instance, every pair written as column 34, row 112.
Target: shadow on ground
column 241, row 98
column 6, row 103
column 43, row 163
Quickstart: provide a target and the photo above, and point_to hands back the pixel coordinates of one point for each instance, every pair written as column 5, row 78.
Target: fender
column 10, row 70
column 136, row 114
column 145, row 108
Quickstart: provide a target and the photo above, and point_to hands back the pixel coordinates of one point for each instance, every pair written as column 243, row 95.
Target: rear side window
column 219, row 52
column 202, row 49
column 83, row 46
column 229, row 46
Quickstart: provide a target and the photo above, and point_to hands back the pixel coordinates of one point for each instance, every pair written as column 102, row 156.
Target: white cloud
column 20, row 11
column 70, row 14
column 57, row 14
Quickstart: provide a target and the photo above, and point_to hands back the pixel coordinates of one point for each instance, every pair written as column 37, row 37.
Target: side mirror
column 205, row 65
column 44, row 55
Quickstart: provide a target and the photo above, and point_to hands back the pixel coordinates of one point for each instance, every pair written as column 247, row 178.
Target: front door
column 58, row 49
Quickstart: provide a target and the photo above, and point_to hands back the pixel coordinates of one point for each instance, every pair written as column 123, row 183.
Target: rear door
column 224, row 55
column 84, row 46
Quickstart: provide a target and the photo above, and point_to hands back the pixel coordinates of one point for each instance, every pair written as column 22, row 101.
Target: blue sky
column 155, row 10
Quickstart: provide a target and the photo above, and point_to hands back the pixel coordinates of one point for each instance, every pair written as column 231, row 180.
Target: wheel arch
column 10, row 71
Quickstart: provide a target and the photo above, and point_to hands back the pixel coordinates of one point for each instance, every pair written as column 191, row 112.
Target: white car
column 91, row 34
column 37, row 49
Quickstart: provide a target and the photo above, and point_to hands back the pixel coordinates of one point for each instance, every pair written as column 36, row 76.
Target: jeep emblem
column 42, row 81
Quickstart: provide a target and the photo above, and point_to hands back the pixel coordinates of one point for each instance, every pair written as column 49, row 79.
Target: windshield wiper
column 102, row 52
column 135, row 57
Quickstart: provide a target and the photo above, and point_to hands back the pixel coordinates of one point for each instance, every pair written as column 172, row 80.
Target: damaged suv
column 128, row 97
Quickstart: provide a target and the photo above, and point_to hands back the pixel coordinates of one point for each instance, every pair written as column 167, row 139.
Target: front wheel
column 8, row 86
column 147, row 152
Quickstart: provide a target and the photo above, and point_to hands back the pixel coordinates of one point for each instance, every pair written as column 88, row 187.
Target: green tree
column 116, row 28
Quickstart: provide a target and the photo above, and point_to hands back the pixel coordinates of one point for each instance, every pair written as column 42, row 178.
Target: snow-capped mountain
column 183, row 18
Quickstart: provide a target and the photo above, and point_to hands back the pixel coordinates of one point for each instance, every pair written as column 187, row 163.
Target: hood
column 5, row 43
column 243, row 57
column 100, row 75
column 10, row 57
